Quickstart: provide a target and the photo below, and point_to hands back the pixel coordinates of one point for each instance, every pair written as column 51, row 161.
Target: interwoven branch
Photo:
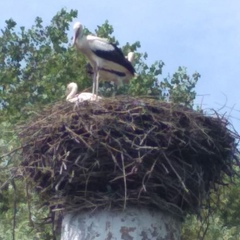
column 126, row 151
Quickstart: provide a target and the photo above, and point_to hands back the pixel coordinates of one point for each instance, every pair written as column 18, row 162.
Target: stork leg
column 94, row 83
column 94, row 80
column 97, row 83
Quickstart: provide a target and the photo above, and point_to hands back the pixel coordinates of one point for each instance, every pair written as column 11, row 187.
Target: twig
column 13, row 151
column 148, row 173
column 79, row 136
column 179, row 178
column 14, row 208
column 124, row 181
column 28, row 205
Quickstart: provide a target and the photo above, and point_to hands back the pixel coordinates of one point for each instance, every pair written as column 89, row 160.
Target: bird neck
column 72, row 92
column 81, row 41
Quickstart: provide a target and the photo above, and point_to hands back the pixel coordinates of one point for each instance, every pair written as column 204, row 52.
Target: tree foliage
column 35, row 66
column 218, row 221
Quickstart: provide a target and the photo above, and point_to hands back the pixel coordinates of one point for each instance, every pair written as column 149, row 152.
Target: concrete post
column 131, row 224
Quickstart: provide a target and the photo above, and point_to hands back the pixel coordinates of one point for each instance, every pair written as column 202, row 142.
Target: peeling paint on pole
column 132, row 224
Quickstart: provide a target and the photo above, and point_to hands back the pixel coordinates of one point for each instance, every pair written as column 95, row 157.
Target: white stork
column 103, row 57
column 72, row 95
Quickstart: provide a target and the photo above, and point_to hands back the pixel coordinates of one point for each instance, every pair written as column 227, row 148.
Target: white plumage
column 130, row 57
column 106, row 59
column 72, row 95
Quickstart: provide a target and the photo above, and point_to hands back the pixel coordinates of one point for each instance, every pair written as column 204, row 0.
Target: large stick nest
column 126, row 151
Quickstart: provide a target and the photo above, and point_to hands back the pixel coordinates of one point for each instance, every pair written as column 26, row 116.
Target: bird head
column 130, row 57
column 77, row 27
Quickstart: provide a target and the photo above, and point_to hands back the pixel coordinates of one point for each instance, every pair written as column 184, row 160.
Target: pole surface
column 131, row 224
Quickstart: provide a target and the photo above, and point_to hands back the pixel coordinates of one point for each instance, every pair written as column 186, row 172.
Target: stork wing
column 97, row 43
column 108, row 51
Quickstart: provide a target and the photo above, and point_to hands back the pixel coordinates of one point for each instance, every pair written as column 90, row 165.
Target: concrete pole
column 131, row 224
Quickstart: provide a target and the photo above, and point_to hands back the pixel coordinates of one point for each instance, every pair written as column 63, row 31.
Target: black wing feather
column 116, row 56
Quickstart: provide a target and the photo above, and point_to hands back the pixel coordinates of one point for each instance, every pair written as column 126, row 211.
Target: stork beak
column 73, row 40
column 75, row 36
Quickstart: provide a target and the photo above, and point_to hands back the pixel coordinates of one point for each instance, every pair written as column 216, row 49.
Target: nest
column 121, row 152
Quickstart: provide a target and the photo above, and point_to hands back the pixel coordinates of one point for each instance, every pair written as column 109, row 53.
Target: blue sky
column 201, row 35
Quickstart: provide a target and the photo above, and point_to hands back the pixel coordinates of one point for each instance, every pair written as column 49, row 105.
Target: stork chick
column 72, row 95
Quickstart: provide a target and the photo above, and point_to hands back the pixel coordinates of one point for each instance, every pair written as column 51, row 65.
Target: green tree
column 221, row 219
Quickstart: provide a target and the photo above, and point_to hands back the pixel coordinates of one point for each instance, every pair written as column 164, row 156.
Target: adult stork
column 103, row 57
column 72, row 95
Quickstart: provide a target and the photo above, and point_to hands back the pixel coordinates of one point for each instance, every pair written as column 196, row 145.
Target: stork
column 72, row 95
column 103, row 57
column 108, row 75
